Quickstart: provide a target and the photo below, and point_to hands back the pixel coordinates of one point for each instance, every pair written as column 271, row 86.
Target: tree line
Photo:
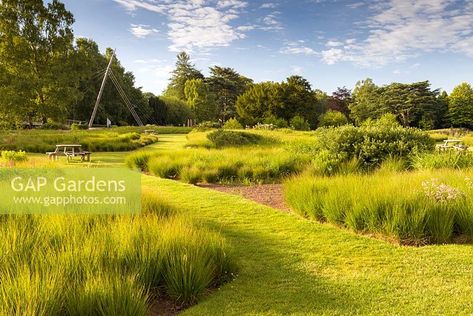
column 47, row 75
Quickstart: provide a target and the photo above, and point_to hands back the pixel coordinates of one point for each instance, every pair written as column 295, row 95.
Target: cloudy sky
column 330, row 42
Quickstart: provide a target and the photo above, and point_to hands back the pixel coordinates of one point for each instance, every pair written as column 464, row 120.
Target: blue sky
column 332, row 43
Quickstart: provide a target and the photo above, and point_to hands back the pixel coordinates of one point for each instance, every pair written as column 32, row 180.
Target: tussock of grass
column 258, row 165
column 414, row 208
column 114, row 139
column 106, row 265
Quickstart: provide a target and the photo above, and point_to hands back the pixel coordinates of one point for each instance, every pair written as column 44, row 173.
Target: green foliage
column 460, row 108
column 13, row 156
column 259, row 103
column 114, row 139
column 226, row 85
column 447, row 159
column 76, row 127
column 232, row 124
column 231, row 165
column 222, row 138
column 299, row 123
column 275, row 122
column 36, row 77
column 413, row 104
column 332, row 118
column 177, row 111
column 413, row 208
column 183, row 72
column 112, row 265
column 200, row 100
column 371, row 144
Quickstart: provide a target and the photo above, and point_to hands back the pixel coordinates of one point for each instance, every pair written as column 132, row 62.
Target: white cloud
column 297, row 48
column 401, row 29
column 142, row 31
column 195, row 24
column 333, row 44
column 268, row 5
column 271, row 22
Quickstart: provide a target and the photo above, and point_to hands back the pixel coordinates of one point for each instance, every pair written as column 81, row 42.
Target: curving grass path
column 289, row 265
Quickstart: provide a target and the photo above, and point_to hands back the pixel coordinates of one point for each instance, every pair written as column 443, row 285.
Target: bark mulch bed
column 267, row 194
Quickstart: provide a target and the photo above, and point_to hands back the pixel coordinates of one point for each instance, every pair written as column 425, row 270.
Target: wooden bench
column 70, row 151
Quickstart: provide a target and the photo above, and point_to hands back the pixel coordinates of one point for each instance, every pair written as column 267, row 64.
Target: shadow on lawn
column 271, row 282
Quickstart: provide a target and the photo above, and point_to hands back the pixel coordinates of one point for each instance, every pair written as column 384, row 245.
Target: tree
column 226, row 84
column 340, row 100
column 200, row 100
column 177, row 111
column 365, row 102
column 184, row 71
column 90, row 69
column 261, row 101
column 411, row 103
column 299, row 123
column 460, row 106
column 159, row 110
column 36, row 43
column 332, row 118
column 298, row 99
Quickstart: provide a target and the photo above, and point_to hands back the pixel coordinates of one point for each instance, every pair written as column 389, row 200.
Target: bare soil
column 267, row 194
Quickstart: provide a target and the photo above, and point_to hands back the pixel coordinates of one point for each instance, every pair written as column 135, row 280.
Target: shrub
column 76, row 127
column 374, row 143
column 221, row 138
column 299, row 123
column 278, row 122
column 12, row 156
column 332, row 118
column 415, row 208
column 232, row 124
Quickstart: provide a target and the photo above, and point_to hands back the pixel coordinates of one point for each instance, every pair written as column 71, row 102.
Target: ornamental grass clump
column 411, row 207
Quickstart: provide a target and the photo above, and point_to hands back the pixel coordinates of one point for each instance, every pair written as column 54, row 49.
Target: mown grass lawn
column 289, row 265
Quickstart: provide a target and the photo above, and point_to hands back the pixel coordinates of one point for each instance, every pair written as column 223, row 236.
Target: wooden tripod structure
column 121, row 92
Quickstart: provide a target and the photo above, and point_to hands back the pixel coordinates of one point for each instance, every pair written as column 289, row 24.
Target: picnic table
column 70, row 151
column 450, row 144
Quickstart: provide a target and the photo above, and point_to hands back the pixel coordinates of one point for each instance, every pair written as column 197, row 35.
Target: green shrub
column 222, row 138
column 332, row 118
column 299, row 123
column 13, row 156
column 76, row 127
column 414, row 208
column 232, row 124
column 276, row 122
column 373, row 143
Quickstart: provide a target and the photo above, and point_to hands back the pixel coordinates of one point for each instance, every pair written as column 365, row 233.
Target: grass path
column 289, row 265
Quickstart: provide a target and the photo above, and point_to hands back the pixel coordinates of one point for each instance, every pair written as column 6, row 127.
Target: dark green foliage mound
column 222, row 138
column 371, row 144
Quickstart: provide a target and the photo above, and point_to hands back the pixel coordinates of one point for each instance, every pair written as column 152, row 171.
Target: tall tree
column 460, row 106
column 261, row 101
column 298, row 99
column 36, row 43
column 184, row 71
column 226, row 84
column 411, row 103
column 365, row 103
column 340, row 100
column 200, row 100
